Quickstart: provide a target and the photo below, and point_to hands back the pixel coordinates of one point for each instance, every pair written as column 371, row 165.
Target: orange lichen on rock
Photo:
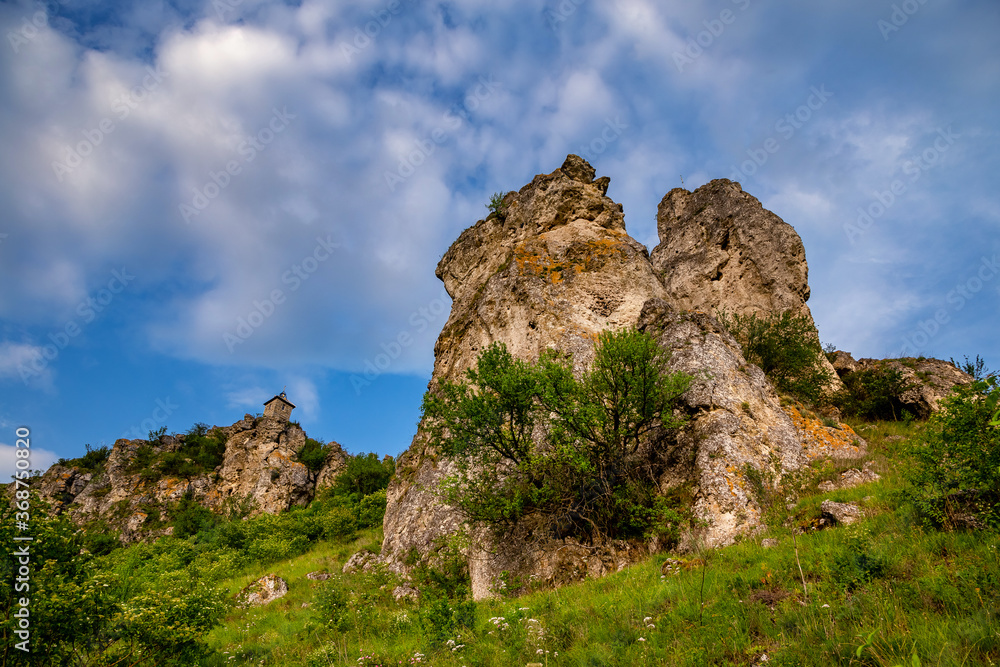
column 536, row 258
column 820, row 440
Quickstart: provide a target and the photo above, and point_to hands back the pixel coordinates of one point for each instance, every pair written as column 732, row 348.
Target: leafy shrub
column 874, row 394
column 190, row 517
column 101, row 544
column 333, row 604
column 365, row 474
column 955, row 475
column 371, row 509
column 860, row 560
column 92, row 461
column 142, row 459
column 497, row 206
column 175, row 464
column 205, row 448
column 338, row 522
column 441, row 618
column 312, row 454
column 270, row 548
column 587, row 476
column 786, row 347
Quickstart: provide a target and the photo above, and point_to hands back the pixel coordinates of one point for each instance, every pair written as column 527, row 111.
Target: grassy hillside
column 882, row 592
column 890, row 590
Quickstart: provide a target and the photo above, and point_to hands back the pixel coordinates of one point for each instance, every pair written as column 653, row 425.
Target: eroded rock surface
column 553, row 271
column 556, row 269
column 721, row 250
column 265, row 590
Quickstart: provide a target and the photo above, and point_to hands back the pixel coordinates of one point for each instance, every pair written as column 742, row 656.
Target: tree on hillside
column 532, row 438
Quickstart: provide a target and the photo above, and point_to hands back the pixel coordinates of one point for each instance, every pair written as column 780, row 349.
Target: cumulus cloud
column 323, row 175
column 40, row 459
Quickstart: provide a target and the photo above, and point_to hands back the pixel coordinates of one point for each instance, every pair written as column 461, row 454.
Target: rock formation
column 931, row 380
column 721, row 250
column 259, row 470
column 552, row 269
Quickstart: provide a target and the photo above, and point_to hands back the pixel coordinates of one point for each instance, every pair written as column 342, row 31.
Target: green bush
column 874, row 394
column 142, row 459
column 587, row 476
column 371, row 509
column 339, row 522
column 364, row 474
column 92, row 461
column 332, row 605
column 955, row 474
column 786, row 347
column 205, row 448
column 497, row 206
column 312, row 454
column 190, row 517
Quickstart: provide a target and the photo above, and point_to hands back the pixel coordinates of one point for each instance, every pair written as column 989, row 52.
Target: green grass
column 877, row 593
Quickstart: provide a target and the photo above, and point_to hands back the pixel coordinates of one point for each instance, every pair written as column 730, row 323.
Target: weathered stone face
column 720, row 249
column 931, row 379
column 553, row 272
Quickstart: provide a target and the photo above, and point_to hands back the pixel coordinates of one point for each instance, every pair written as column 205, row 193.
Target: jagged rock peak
column 721, row 249
column 549, row 201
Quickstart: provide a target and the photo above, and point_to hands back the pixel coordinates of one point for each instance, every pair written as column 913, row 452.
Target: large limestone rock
column 260, row 464
column 554, row 270
column 720, row 249
column 736, row 422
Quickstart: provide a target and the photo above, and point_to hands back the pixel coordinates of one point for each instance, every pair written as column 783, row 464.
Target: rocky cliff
column 721, row 250
column 552, row 268
column 259, row 473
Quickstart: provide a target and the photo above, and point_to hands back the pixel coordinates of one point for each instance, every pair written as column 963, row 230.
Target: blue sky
column 205, row 202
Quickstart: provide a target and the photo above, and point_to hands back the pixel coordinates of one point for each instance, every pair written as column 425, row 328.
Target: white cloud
column 39, row 459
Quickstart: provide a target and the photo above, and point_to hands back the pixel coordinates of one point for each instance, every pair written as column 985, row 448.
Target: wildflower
column 642, row 639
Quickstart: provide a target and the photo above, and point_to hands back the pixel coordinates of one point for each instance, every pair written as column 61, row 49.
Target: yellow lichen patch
column 819, row 439
column 538, row 261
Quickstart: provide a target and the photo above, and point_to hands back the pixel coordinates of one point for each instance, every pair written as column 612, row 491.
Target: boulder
column 851, row 478
column 841, row 513
column 265, row 590
column 362, row 561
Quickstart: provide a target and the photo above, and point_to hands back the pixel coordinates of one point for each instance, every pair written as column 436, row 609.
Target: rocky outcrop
column 259, row 473
column 553, row 268
column 264, row 591
column 930, row 380
column 736, row 422
column 721, row 250
column 260, row 463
